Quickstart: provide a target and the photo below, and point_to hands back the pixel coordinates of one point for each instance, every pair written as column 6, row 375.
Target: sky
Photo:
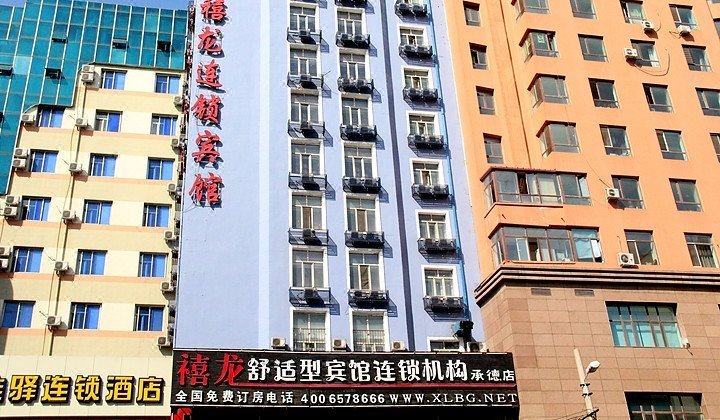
column 167, row 4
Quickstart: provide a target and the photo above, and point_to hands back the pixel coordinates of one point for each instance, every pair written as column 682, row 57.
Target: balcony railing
column 346, row 84
column 426, row 141
column 317, row 237
column 420, row 95
column 351, row 3
column 362, row 185
column 305, row 81
column 431, row 192
column 306, row 129
column 358, row 132
column 406, row 9
column 444, row 304
column 368, row 340
column 304, row 36
column 375, row 299
column 309, row 296
column 307, row 182
column 364, row 239
column 416, row 51
column 437, row 246
column 343, row 39
column 309, row 339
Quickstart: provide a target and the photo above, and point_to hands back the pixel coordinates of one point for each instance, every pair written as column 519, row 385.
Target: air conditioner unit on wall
column 87, row 68
column 53, row 321
column 630, row 53
column 398, row 345
column 339, row 344
column 87, row 77
column 164, row 341
column 648, row 26
column 20, row 164
column 81, row 122
column 612, row 194
column 277, row 343
column 28, row 118
column 167, row 286
column 626, row 259
column 684, row 29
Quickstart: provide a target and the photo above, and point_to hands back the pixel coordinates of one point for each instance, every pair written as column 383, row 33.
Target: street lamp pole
column 584, row 385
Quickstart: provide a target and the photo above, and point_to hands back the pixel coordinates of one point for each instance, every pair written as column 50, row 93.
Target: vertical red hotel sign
column 207, row 105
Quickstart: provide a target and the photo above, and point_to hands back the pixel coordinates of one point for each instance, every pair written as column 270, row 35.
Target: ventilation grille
column 540, row 291
column 584, row 292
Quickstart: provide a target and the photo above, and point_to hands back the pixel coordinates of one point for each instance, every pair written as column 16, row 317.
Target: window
column 91, row 262
column 664, row 406
column 516, row 243
column 304, row 108
column 160, row 169
column 163, row 125
column 352, row 66
column 574, row 189
column 540, row 43
column 683, row 15
column 303, row 61
column 368, row 332
column 50, row 117
column 603, row 93
column 528, row 187
column 361, row 215
column 35, row 208
column 309, row 331
column 671, row 144
column 302, row 18
column 559, row 137
column 532, row 6
column 417, row 79
column 423, row 125
column 102, row 165
column 478, row 56
column 686, row 195
column 166, row 83
column 445, row 345
column 308, row 268
column 717, row 26
column 112, row 79
column 358, row 162
column 307, row 211
column 549, row 89
column 152, row 265
column 149, row 318
column 84, row 316
column 349, row 22
column 646, row 54
column 163, row 46
column 493, row 149
column 696, row 58
column 432, row 226
column 715, row 139
column 355, row 111
column 439, row 282
column 17, row 314
column 642, row 246
column 709, row 101
column 630, row 195
column 583, row 9
column 593, row 48
column 615, row 140
column 472, row 14
column 633, row 11
column 27, row 260
column 658, row 98
column 426, row 173
column 702, row 250
column 305, row 159
column 486, row 102
column 156, row 215
column 97, row 212
column 364, row 271
column 643, row 325
column 412, row 37
column 107, row 121
column 43, row 161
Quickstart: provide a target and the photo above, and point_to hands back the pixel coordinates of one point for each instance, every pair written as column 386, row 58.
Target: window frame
column 690, row 57
column 478, row 56
column 626, row 11
column 472, row 10
column 44, row 208
column 575, row 6
column 676, row 187
column 32, row 257
column 154, row 260
column 597, row 91
column 163, row 125
column 529, row 44
column 486, row 100
column 151, row 211
column 493, row 144
column 633, row 240
column 694, row 241
column 104, row 162
column 112, row 79
column 547, row 138
column 103, row 208
column 662, row 136
column 611, row 147
column 587, row 54
column 627, row 184
column 22, row 308
column 635, row 400
column 637, row 327
column 86, row 260
column 539, row 94
column 45, row 163
column 103, row 121
column 325, row 331
column 369, row 314
column 152, row 310
column 320, row 283
column 651, row 96
column 83, row 306
column 702, row 94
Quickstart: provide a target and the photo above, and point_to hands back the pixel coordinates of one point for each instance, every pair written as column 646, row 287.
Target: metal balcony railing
column 365, row 239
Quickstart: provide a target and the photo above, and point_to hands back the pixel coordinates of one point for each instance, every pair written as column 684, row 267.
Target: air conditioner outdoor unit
column 305, row 78
column 5, row 264
column 170, row 236
column 684, row 29
column 476, row 347
column 172, row 189
column 176, row 143
column 164, row 341
column 6, row 251
column 178, row 100
column 87, row 77
column 166, row 286
column 62, row 266
column 13, row 200
column 21, row 153
column 53, row 321
column 612, row 194
column 630, row 53
column 28, row 118
column 81, row 122
column 10, row 212
column 87, row 68
column 626, row 259
column 398, row 345
column 75, row 167
column 648, row 26
column 339, row 344
column 277, row 343
column 20, row 164
column 69, row 216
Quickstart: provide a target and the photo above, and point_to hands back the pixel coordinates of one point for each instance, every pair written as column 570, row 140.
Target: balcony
column 365, row 239
column 312, row 237
column 306, row 129
column 410, row 10
column 351, row 3
column 304, row 36
column 362, row 185
column 304, row 81
column 437, row 246
column 426, row 141
column 309, row 296
column 346, row 40
column 444, row 304
column 420, row 95
column 358, row 132
column 307, row 182
column 431, row 192
column 368, row 299
column 423, row 52
column 356, row 85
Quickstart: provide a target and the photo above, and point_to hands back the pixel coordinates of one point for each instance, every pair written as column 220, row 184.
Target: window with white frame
column 445, row 344
column 352, row 66
column 307, row 211
column 107, row 121
column 309, row 333
column 423, row 125
column 361, row 215
column 364, row 271
column 439, row 282
column 303, row 61
column 417, row 79
column 349, row 22
column 305, row 158
column 308, row 268
column 358, row 162
column 302, row 18
column 409, row 36
column 304, row 108
column 368, row 332
column 355, row 111
column 426, row 173
column 433, row 226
